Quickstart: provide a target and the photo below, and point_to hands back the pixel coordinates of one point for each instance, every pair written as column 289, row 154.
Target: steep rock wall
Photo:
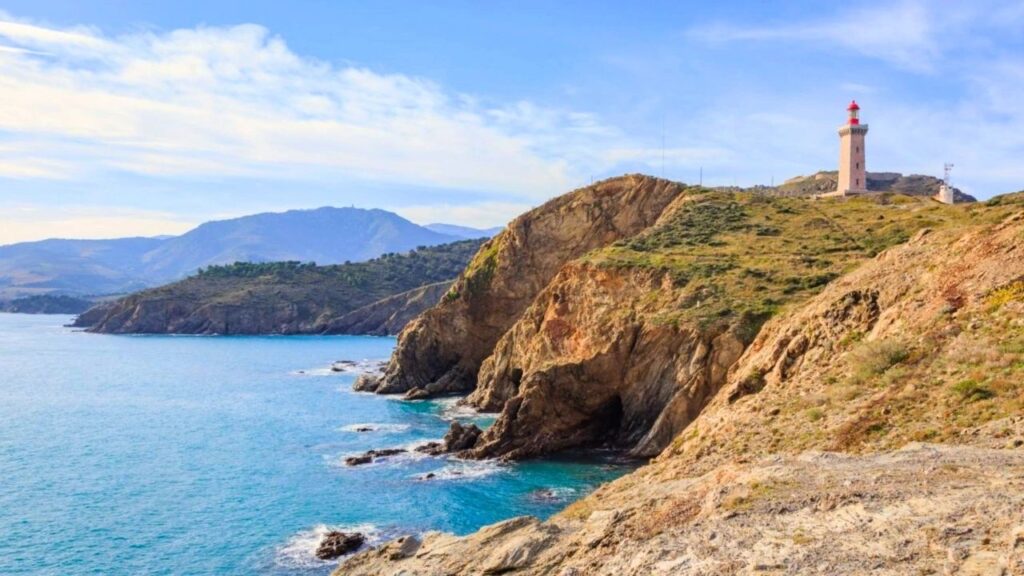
column 589, row 361
column 441, row 351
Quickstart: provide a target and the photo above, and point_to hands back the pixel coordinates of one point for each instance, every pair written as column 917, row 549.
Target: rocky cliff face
column 628, row 344
column 441, row 351
column 588, row 363
column 387, row 317
column 923, row 342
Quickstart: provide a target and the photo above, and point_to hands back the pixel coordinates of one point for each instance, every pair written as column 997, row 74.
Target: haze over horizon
column 125, row 120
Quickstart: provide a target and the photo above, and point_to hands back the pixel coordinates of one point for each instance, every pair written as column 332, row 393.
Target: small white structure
column 945, row 194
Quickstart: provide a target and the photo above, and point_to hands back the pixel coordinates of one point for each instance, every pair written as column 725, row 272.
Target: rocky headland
column 791, row 362
column 376, row 297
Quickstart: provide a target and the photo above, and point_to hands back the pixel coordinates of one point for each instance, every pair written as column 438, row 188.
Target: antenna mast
column 947, row 168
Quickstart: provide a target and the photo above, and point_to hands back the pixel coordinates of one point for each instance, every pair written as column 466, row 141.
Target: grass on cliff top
column 738, row 254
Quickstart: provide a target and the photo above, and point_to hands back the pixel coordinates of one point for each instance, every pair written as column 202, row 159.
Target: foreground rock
column 337, row 544
column 925, row 509
column 457, row 439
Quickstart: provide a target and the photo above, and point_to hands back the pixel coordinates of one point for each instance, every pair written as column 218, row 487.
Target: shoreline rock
column 457, row 439
column 335, row 544
column 372, row 456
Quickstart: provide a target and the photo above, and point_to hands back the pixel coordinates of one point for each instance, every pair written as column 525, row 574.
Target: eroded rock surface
column 924, row 509
column 440, row 352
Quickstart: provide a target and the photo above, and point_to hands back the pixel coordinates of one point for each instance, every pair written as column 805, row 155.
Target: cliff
column 373, row 297
column 441, row 351
column 809, row 457
column 578, row 333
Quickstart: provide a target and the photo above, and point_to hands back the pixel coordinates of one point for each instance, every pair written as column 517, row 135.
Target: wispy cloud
column 906, row 33
column 21, row 223
column 237, row 101
column 477, row 215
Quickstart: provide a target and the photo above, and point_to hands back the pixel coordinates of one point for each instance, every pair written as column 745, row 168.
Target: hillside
column 288, row 297
column 739, row 337
column 47, row 304
column 92, row 267
column 826, row 181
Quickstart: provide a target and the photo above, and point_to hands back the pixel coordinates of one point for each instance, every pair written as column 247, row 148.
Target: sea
column 224, row 455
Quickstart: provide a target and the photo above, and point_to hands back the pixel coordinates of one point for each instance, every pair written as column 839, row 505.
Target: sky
column 123, row 118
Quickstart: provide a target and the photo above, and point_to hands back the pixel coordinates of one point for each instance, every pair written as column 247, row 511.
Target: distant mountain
column 324, row 236
column 74, row 266
column 464, row 231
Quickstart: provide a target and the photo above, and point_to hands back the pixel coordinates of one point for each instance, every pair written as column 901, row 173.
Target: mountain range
column 324, row 236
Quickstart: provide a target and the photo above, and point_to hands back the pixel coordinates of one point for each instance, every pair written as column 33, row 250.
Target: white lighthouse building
column 853, row 173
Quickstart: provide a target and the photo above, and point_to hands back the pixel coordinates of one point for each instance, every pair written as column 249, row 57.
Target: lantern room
column 854, row 112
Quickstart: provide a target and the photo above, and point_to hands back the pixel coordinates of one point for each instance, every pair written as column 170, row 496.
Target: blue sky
column 122, row 118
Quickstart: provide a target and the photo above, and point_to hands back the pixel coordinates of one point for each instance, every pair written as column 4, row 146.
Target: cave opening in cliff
column 607, row 421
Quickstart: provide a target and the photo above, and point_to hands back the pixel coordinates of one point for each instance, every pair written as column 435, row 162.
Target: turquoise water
column 213, row 455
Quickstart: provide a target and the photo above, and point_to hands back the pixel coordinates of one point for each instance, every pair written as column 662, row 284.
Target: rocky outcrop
column 457, row 439
column 589, row 362
column 337, row 544
column 925, row 509
column 441, row 351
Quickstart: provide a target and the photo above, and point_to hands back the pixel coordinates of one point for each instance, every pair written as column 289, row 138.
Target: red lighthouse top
column 854, row 110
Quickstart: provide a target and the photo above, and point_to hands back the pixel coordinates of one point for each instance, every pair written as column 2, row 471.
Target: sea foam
column 299, row 552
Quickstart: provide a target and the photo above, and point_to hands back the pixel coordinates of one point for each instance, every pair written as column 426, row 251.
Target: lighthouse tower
column 852, row 170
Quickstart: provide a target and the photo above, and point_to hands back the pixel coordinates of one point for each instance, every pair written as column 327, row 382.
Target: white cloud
column 23, row 223
column 237, row 101
column 906, row 34
column 477, row 215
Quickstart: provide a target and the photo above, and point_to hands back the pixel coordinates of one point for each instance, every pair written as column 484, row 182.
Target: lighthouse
column 852, row 170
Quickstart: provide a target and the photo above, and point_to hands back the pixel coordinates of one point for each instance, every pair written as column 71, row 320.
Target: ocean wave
column 374, row 427
column 556, row 495
column 459, row 470
column 410, row 454
column 451, row 409
column 299, row 552
column 365, row 366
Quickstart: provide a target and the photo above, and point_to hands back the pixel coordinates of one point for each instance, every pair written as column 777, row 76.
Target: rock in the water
column 337, row 543
column 458, row 438
column 366, row 383
column 417, row 394
column 343, row 366
column 432, row 448
column 372, row 455
column 461, row 437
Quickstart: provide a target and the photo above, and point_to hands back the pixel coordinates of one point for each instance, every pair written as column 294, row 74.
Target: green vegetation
column 874, row 358
column 316, row 290
column 740, row 257
column 971, row 390
column 481, row 269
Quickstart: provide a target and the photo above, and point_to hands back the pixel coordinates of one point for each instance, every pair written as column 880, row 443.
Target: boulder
column 461, row 437
column 337, row 543
column 366, row 383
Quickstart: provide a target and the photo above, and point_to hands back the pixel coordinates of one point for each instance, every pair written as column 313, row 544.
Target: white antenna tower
column 947, row 168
